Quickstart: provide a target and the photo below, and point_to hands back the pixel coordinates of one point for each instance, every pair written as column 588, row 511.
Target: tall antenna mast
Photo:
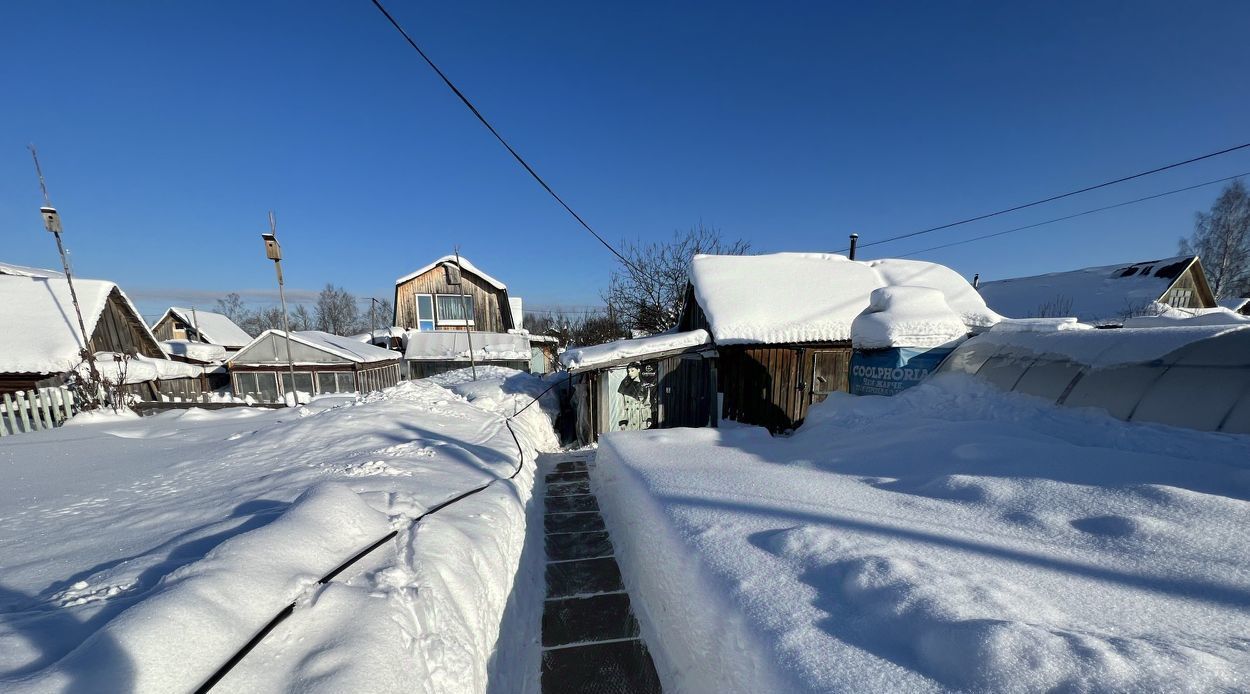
column 52, row 222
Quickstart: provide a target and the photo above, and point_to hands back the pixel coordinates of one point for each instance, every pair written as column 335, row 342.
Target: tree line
column 336, row 311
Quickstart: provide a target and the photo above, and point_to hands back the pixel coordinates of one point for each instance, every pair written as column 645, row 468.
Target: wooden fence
column 34, row 410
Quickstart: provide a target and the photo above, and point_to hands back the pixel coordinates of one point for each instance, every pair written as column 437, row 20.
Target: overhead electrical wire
column 478, row 114
column 1051, row 198
column 1072, row 216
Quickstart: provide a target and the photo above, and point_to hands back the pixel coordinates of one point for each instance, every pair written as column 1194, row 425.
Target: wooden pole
column 468, row 329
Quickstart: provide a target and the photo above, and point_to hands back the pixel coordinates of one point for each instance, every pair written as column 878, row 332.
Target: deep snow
column 948, row 538
column 139, row 554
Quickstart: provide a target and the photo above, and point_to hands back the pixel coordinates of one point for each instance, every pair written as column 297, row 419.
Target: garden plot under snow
column 140, row 554
column 951, row 538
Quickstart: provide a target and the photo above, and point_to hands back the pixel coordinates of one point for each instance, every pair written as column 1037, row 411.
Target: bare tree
column 232, row 307
column 337, row 312
column 1221, row 239
column 301, row 318
column 646, row 294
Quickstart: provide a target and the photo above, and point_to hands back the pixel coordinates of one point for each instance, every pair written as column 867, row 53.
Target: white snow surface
column 130, row 369
column 27, row 271
column 1106, row 348
column 1234, row 304
column 583, row 358
column 200, row 351
column 216, row 328
column 465, row 266
column 949, row 538
column 1038, row 325
column 453, row 345
column 903, row 316
column 1102, row 295
column 40, row 331
column 812, row 297
column 140, row 554
column 348, row 348
column 1168, row 316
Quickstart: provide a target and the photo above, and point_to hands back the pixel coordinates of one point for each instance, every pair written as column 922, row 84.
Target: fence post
column 67, row 402
column 12, row 413
column 20, row 396
column 45, row 400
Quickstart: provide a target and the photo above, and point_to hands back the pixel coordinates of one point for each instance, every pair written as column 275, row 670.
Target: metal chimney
column 854, row 242
column 976, row 280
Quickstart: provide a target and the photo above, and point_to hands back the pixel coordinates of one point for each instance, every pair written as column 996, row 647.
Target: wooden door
column 830, row 373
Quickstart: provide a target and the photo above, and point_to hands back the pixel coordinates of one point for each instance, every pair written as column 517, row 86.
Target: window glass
column 245, row 384
column 303, row 382
column 267, row 386
column 346, row 382
column 968, row 357
column 325, row 382
column 425, row 312
column 454, row 309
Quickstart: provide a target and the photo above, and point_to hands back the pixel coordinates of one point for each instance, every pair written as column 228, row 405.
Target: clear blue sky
column 167, row 130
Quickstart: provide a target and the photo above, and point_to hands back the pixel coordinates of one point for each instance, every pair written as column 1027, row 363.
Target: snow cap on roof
column 199, row 351
column 904, row 316
column 347, row 348
column 25, row 271
column 812, row 297
column 583, row 358
column 1104, row 294
column 465, row 265
column 214, row 328
column 40, row 332
column 453, row 345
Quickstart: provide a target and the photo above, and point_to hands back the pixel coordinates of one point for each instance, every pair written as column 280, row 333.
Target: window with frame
column 1179, row 297
column 425, row 312
column 454, row 309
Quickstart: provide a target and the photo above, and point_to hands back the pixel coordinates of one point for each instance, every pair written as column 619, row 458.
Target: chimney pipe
column 854, row 241
column 976, row 280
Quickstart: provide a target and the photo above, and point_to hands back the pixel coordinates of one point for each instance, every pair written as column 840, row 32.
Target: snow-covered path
column 101, row 522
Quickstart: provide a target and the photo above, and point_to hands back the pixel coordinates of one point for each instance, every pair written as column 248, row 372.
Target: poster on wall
column 631, row 397
column 891, row 371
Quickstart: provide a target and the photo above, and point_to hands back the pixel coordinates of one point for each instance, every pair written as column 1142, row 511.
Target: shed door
column 830, row 373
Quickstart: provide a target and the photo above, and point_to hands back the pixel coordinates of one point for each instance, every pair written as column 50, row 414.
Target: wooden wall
column 120, row 330
column 773, row 385
column 490, row 305
column 686, row 386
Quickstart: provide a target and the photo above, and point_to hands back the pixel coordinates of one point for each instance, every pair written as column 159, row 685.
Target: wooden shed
column 445, row 295
column 41, row 342
column 205, row 327
column 656, row 382
column 324, row 364
column 781, row 324
column 1106, row 295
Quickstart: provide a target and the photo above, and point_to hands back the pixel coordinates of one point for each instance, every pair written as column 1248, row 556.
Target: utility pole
column 274, row 252
column 468, row 329
column 52, row 222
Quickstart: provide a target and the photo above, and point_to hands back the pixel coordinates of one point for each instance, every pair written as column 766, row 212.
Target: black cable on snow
column 290, row 609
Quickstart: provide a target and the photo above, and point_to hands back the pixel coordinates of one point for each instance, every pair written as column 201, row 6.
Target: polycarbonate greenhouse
column 1189, row 376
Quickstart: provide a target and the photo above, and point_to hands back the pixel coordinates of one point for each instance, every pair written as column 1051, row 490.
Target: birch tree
column 1221, row 240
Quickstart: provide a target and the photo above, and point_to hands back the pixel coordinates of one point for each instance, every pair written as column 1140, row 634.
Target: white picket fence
column 34, row 410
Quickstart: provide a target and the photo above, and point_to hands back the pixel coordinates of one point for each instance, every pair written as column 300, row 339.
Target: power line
column 1052, row 198
column 1073, row 216
column 469, row 104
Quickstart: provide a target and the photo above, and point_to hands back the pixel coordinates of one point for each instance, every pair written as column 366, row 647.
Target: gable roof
column 1106, row 293
column 41, row 332
column 214, row 328
column 348, row 348
column 25, row 271
column 620, row 352
column 812, row 297
column 465, row 266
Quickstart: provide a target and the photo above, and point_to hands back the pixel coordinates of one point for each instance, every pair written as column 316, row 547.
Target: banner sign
column 891, row 371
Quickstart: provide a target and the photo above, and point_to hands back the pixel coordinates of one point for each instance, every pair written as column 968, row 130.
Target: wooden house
column 444, row 296
column 204, row 327
column 1106, row 295
column 41, row 343
column 323, row 364
column 781, row 324
column 656, row 382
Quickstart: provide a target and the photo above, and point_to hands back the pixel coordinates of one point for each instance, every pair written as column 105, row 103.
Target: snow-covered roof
column 453, row 345
column 906, row 316
column 25, row 271
column 624, row 351
column 1101, row 348
column 1169, row 316
column 343, row 347
column 1104, row 294
column 40, row 331
column 812, row 297
column 214, row 328
column 131, row 369
column 465, row 265
column 517, row 306
column 1234, row 304
column 199, row 351
column 380, row 333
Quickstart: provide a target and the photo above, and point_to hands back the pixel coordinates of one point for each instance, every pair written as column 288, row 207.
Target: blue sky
column 167, row 130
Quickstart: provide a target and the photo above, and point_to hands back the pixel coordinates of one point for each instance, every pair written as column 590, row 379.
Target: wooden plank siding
column 490, row 304
column 773, row 385
column 120, row 330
